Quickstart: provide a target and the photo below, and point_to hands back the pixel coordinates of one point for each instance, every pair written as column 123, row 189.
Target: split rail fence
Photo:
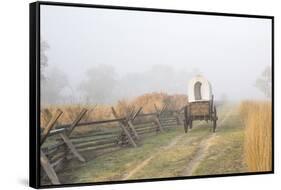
column 60, row 143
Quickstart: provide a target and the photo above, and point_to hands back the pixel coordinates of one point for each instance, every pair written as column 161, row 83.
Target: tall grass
column 122, row 107
column 257, row 117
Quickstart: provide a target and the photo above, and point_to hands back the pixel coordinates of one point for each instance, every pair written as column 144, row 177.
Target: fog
column 105, row 55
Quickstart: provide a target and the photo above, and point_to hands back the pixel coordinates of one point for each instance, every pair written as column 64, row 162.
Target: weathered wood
column 156, row 109
column 168, row 121
column 59, row 161
column 71, row 147
column 76, row 121
column 186, row 119
column 81, row 124
column 95, row 137
column 50, row 125
column 124, row 129
column 131, row 114
column 163, row 109
column 54, row 157
column 177, row 117
column 190, row 124
column 47, row 115
column 128, row 135
column 94, row 143
column 148, row 123
column 56, row 131
column 136, row 114
column 147, row 128
column 95, row 148
column 146, row 114
column 215, row 120
column 52, row 148
column 147, row 131
column 199, row 108
column 153, row 125
column 133, row 129
column 86, row 117
column 114, row 112
column 48, row 169
column 156, row 119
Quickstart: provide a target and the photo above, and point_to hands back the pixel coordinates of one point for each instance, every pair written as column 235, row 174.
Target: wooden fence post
column 45, row 163
column 177, row 116
column 88, row 113
column 163, row 109
column 48, row 168
column 65, row 136
column 130, row 120
column 156, row 119
column 71, row 147
column 136, row 114
column 123, row 127
column 50, row 125
column 130, row 124
column 76, row 121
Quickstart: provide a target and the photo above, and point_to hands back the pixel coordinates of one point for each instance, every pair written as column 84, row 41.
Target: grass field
column 257, row 118
column 171, row 154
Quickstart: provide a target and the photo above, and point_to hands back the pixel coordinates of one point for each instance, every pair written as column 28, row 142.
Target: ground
column 172, row 153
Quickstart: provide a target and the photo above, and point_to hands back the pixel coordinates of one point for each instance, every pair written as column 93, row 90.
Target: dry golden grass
column 122, row 107
column 257, row 117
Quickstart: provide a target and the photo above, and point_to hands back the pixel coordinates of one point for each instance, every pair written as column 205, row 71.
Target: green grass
column 115, row 165
column 224, row 155
column 172, row 161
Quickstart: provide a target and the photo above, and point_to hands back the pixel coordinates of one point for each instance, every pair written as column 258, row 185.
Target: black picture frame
column 34, row 91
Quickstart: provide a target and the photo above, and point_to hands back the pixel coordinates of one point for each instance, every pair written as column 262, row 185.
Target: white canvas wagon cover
column 199, row 89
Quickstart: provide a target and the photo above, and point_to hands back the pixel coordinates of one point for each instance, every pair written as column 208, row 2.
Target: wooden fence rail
column 60, row 143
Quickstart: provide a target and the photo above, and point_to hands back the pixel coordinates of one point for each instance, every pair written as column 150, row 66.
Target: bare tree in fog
column 263, row 83
column 52, row 87
column 99, row 84
column 44, row 46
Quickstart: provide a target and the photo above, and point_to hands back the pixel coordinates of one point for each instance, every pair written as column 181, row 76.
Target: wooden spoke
column 186, row 119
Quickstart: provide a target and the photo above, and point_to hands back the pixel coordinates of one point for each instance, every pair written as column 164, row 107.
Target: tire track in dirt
column 146, row 161
column 194, row 163
column 226, row 116
column 203, row 149
column 199, row 155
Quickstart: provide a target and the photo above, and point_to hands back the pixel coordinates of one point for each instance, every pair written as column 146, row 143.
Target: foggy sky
column 230, row 52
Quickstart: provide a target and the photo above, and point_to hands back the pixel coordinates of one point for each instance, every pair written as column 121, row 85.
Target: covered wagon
column 200, row 103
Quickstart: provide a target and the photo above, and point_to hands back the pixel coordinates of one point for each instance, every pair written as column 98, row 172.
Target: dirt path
column 172, row 154
column 146, row 161
column 203, row 148
column 199, row 155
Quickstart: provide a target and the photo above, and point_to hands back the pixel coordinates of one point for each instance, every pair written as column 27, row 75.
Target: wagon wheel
column 186, row 119
column 215, row 119
column 190, row 124
column 185, row 126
